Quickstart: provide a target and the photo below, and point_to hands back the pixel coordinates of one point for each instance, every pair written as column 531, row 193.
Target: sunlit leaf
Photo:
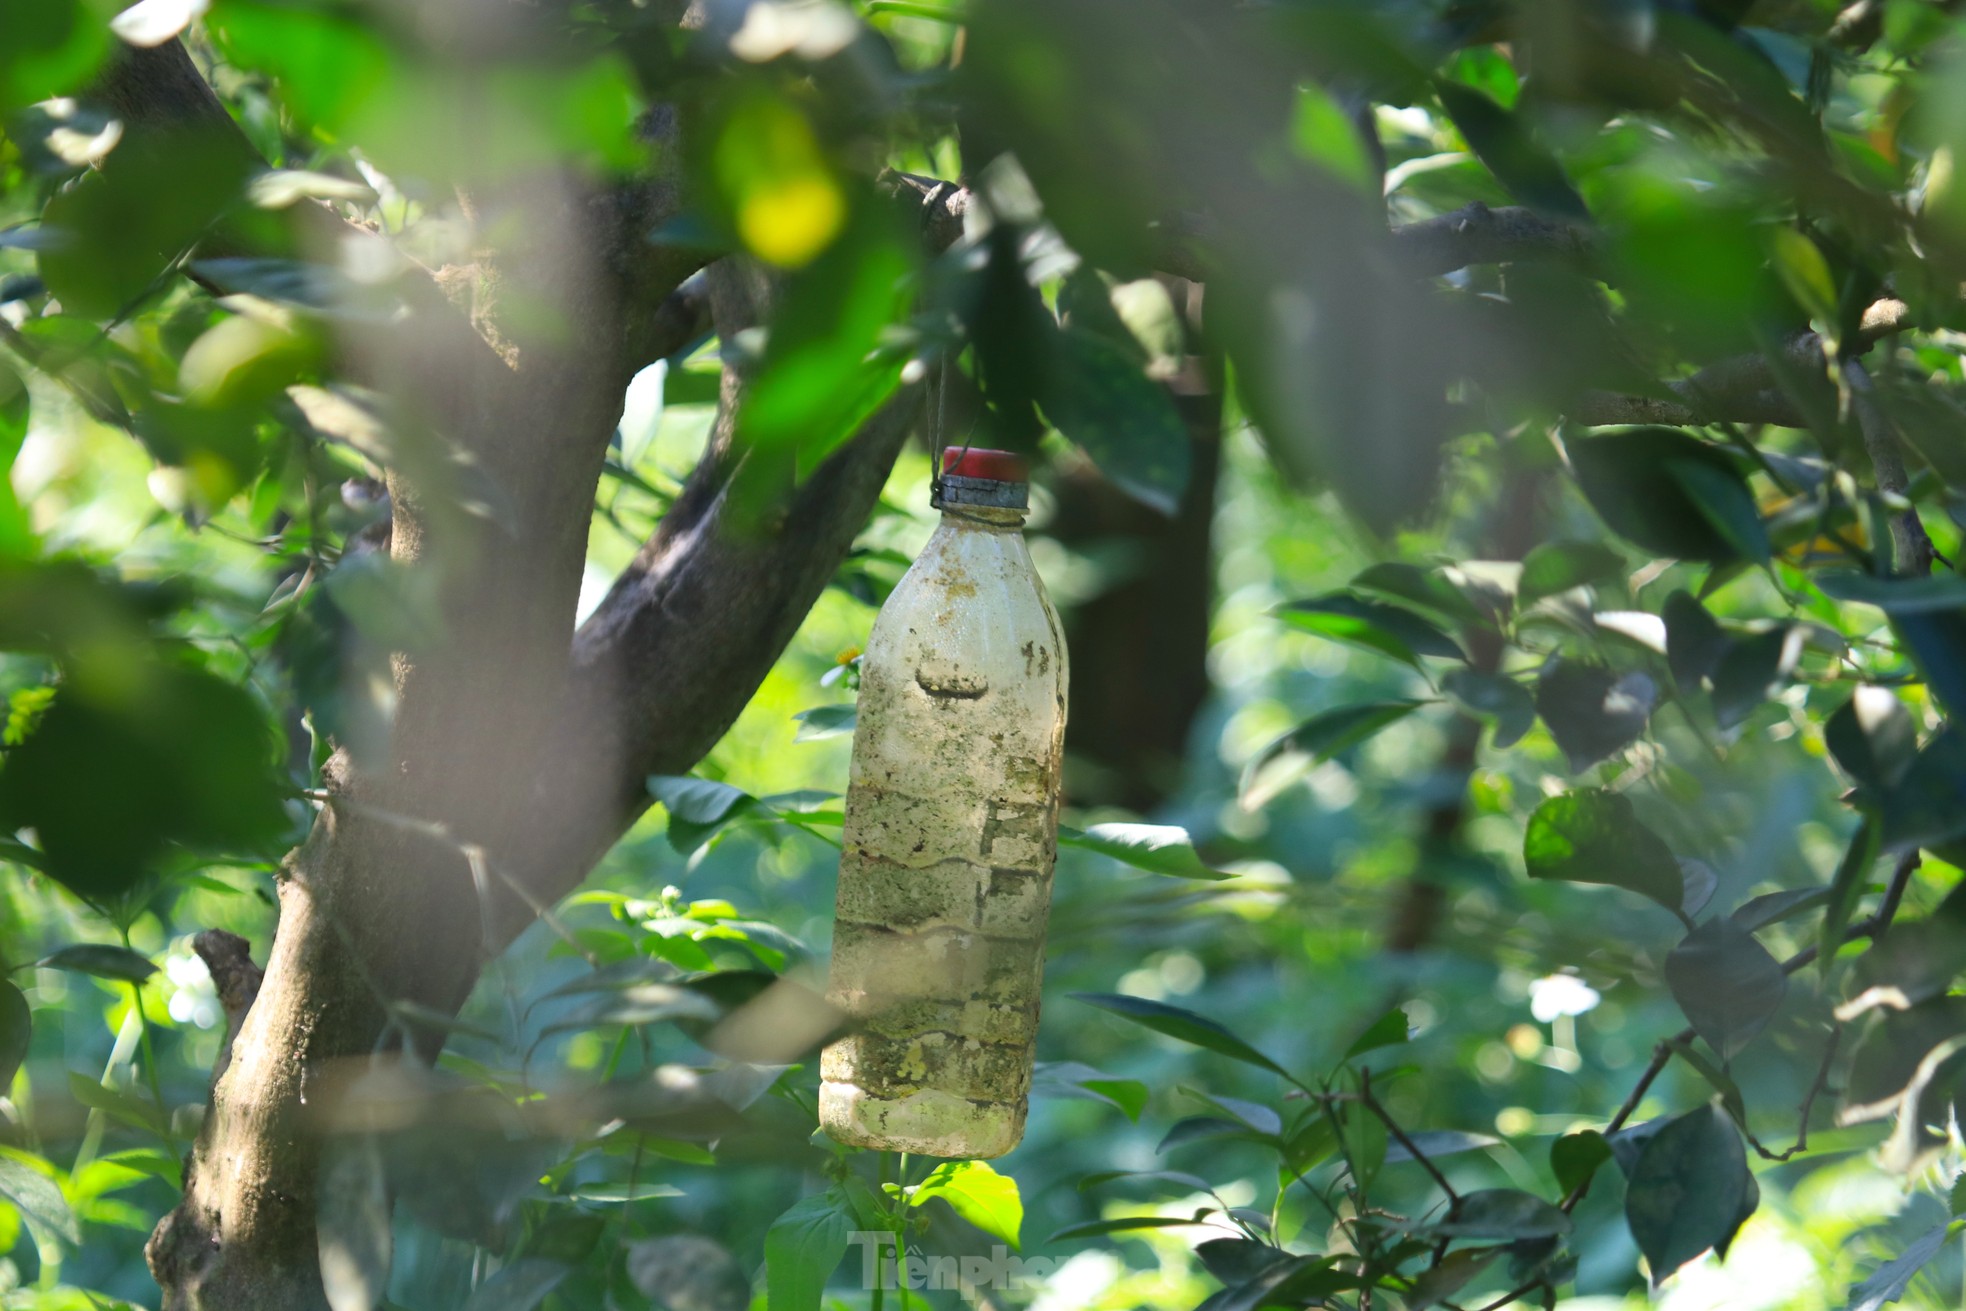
column 1371, row 626
column 1317, row 738
column 1596, row 837
column 1155, row 848
column 16, row 1032
column 978, row 1194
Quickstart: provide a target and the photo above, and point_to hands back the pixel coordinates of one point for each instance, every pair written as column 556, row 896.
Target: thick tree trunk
column 518, row 747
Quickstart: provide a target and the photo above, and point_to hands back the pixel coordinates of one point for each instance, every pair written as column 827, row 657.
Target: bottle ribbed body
column 950, row 838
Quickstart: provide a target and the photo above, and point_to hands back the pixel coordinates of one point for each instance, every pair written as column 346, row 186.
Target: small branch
column 229, row 960
column 940, row 206
column 1912, row 551
column 1476, row 234
column 1873, row 928
column 1392, row 1127
column 1743, row 389
column 1808, row 1102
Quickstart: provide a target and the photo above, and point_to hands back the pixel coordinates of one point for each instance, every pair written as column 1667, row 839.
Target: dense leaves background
column 1547, row 419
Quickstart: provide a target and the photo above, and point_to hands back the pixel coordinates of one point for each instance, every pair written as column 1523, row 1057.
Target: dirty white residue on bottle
column 950, row 838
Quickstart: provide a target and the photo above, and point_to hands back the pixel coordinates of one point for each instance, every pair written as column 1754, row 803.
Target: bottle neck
column 988, row 518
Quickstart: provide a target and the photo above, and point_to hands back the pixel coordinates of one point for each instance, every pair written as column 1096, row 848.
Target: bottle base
column 926, row 1123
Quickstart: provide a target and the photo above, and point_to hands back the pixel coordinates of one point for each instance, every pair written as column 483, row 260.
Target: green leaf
column 1695, row 641
column 802, row 1249
column 520, row 1286
column 1893, row 1279
column 1389, row 1029
column 1320, row 737
column 1593, row 712
column 1896, row 596
column 1723, row 498
column 1454, row 1272
column 822, row 373
column 1689, row 1191
column 1753, row 669
column 1237, row 1260
column 826, row 721
column 1289, row 1282
column 16, row 1031
column 187, row 756
column 1595, row 836
column 101, row 959
column 1726, row 984
column 1204, row 1128
column 1873, row 738
column 1363, row 1139
column 1671, row 494
column 1321, row 131
column 1758, row 913
column 1559, row 566
column 126, row 1108
column 1500, row 140
column 1252, row 1115
column 1851, row 878
column 978, row 1194
column 324, row 65
column 1505, row 1214
column 1426, row 588
column 1130, row 1095
column 1493, row 697
column 1100, row 1228
column 1575, row 1157
column 614, row 1193
column 1439, row 1142
column 1922, row 809
column 698, row 807
column 1897, row 1053
column 1183, row 1026
column 1155, row 848
column 1371, row 626
column 39, row 1198
column 1805, row 273
column 1917, row 961
column 1099, row 397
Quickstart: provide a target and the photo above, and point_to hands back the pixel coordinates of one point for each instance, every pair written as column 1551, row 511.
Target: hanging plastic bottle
column 951, row 834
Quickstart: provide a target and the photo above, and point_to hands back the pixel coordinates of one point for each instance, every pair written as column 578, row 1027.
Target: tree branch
column 1912, row 551
column 1477, row 234
column 1743, row 389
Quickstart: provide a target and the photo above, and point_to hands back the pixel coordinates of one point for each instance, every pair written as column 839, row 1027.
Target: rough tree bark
column 515, row 739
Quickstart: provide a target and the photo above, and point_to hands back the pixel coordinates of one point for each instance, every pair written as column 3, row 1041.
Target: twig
column 1743, row 389
column 1392, row 1126
column 1873, row 928
column 1808, row 1102
column 1912, row 551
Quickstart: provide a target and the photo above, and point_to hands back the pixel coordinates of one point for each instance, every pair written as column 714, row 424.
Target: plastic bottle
column 951, row 834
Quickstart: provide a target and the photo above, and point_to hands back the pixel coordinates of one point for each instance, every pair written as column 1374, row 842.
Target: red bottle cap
column 978, row 462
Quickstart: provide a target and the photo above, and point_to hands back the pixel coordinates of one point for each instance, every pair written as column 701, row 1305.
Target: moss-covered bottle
column 951, row 835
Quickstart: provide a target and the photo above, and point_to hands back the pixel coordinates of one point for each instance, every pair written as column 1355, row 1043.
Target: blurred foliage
column 1558, row 903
